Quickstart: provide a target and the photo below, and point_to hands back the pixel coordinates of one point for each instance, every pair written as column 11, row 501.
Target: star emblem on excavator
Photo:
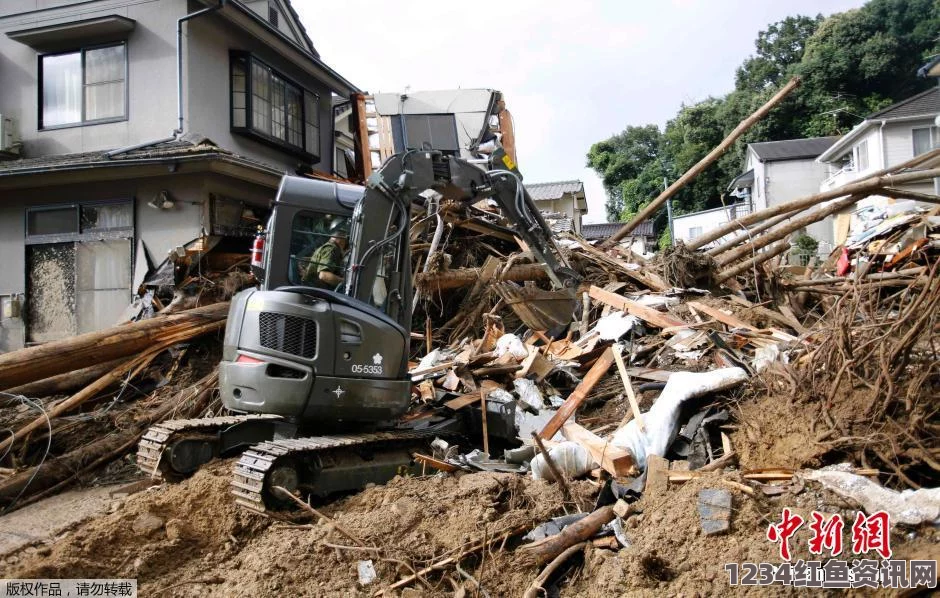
column 377, row 359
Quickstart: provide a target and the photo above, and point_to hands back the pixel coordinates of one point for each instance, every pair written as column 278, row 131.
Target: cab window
column 318, row 249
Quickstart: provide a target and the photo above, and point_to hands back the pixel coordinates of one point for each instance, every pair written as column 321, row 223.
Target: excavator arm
column 379, row 268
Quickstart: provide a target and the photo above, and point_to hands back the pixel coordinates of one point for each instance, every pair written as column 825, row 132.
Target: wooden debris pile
column 71, row 407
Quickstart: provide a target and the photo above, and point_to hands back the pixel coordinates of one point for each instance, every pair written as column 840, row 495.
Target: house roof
column 745, row 179
column 555, row 190
column 604, row 230
column 190, row 147
column 924, row 105
column 792, row 149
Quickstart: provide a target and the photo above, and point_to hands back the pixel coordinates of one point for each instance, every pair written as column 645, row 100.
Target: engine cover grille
column 288, row 334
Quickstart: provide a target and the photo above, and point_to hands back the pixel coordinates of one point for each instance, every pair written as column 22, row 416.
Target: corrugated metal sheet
column 555, row 190
column 595, row 232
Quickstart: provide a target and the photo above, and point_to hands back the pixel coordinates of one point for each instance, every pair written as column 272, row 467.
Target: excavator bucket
column 538, row 309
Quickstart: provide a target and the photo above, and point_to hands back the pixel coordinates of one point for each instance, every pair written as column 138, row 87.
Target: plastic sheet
column 570, row 458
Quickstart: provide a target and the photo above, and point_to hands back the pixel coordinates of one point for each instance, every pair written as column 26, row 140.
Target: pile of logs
column 46, row 386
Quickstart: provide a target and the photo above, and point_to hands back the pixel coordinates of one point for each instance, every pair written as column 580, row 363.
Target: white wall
column 708, row 220
column 151, row 77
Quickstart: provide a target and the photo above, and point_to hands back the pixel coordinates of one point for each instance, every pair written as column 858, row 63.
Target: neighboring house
column 562, row 197
column 641, row 240
column 775, row 172
column 883, row 139
column 104, row 172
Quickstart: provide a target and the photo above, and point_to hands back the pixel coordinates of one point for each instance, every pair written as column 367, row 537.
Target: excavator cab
column 301, row 346
column 325, row 339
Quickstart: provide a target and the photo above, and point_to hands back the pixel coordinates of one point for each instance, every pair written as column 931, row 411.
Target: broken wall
column 91, row 265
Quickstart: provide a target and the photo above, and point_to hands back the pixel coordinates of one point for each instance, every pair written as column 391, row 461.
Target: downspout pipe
column 178, row 131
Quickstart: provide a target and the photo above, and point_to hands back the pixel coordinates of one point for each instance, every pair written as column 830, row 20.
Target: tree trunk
column 58, row 357
column 702, row 164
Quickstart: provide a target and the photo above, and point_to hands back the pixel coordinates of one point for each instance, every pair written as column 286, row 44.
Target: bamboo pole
column 794, row 225
column 749, row 234
column 761, row 257
column 702, row 164
column 878, row 180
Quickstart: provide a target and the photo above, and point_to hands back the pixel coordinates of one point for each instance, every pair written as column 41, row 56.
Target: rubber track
column 251, row 469
column 155, row 441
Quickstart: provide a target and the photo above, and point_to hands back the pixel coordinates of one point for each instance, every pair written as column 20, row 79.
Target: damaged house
column 131, row 128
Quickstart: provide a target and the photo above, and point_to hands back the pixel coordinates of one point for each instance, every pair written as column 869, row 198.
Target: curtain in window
column 61, row 89
column 104, row 83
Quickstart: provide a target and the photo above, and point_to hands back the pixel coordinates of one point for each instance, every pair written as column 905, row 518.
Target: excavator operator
column 325, row 267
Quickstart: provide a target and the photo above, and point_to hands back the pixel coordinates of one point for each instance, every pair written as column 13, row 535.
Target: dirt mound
column 190, row 539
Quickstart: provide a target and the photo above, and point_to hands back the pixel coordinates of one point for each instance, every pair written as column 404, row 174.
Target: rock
column 147, row 524
column 177, row 529
column 714, row 509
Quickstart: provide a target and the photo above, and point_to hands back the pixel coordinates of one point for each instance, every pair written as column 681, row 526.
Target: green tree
column 621, row 158
column 852, row 64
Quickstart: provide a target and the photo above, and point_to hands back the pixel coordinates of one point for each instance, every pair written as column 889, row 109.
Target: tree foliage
column 852, row 64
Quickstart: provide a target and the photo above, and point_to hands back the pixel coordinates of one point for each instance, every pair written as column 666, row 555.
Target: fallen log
column 769, row 237
column 761, row 257
column 866, row 186
column 702, row 164
column 64, row 383
column 465, row 277
column 748, row 234
column 576, row 533
column 77, row 352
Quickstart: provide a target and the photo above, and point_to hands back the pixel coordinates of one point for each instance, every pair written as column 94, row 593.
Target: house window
column 694, row 232
column 84, row 86
column 79, row 263
column 85, row 222
column 268, row 106
column 923, row 140
column 862, row 161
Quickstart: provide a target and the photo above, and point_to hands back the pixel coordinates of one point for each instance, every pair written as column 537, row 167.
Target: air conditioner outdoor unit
column 9, row 141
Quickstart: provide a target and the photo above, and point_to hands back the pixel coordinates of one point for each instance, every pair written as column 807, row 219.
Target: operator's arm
column 329, row 278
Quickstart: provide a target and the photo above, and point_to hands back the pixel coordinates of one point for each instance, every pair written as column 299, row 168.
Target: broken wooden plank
column 613, row 459
column 435, row 463
column 651, row 282
column 647, row 314
column 729, row 320
column 628, row 387
column 462, row 401
column 574, row 400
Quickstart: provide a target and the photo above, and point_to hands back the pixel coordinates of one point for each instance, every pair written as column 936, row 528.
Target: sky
column 572, row 73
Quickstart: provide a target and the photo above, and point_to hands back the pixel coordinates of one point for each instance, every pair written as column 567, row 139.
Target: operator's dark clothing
column 328, row 257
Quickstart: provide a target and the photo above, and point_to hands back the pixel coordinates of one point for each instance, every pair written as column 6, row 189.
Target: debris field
column 693, row 397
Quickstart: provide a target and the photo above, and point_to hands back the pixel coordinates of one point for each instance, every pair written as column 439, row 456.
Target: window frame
column 858, row 156
column 249, row 130
column 83, row 123
column 124, row 232
column 931, row 138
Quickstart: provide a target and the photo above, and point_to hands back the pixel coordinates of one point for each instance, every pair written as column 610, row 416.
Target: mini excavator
column 316, row 376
